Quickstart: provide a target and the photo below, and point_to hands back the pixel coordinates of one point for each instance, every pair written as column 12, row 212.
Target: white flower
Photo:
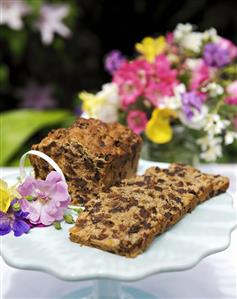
column 213, row 89
column 197, row 121
column 12, row 12
column 211, row 148
column 110, row 93
column 215, row 125
column 211, row 34
column 188, row 39
column 50, row 22
column 192, row 63
column 230, row 137
column 192, row 41
column 174, row 102
column 104, row 105
column 181, row 30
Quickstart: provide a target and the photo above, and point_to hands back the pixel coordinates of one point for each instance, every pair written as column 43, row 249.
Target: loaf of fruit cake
column 127, row 218
column 93, row 156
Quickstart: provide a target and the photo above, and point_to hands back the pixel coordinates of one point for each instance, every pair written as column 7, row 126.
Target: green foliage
column 18, row 126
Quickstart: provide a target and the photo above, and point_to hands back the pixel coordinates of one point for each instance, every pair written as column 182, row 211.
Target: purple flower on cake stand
column 49, row 198
column 14, row 220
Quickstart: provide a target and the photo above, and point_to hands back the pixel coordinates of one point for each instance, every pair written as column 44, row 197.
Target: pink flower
column 169, row 37
column 131, row 79
column 162, row 82
column 137, row 120
column 50, row 198
column 228, row 45
column 200, row 74
column 232, row 91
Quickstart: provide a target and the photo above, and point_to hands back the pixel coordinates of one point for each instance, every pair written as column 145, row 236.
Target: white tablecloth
column 214, row 277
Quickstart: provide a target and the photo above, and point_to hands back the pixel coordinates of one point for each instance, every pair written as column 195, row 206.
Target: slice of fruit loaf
column 125, row 220
column 220, row 183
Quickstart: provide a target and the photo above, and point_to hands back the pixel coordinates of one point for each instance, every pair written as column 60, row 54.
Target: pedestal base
column 108, row 289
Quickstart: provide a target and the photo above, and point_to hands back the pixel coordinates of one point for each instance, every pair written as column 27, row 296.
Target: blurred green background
column 40, row 80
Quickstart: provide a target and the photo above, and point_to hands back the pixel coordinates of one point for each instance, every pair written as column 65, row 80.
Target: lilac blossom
column 36, row 96
column 50, row 22
column 216, row 56
column 113, row 61
column 191, row 101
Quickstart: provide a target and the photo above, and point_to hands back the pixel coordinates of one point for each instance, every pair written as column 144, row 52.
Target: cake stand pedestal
column 108, row 289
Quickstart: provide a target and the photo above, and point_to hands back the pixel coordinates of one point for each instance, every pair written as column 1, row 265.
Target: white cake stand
column 206, row 231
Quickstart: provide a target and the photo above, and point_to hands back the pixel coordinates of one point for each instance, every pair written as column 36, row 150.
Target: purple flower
column 36, row 96
column 191, row 101
column 216, row 56
column 113, row 61
column 13, row 221
column 50, row 198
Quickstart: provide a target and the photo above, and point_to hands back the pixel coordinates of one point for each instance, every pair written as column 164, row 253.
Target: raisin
column 180, row 184
column 160, row 181
column 144, row 213
column 100, row 164
column 167, row 215
column 134, row 229
column 181, row 191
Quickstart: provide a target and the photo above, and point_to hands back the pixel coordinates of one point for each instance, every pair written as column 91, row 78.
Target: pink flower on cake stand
column 49, row 198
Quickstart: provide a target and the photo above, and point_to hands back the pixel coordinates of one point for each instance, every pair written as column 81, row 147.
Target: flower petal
column 20, row 227
column 5, row 224
column 27, row 187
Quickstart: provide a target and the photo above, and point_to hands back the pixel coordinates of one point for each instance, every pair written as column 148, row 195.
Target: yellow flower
column 151, row 47
column 6, row 196
column 90, row 103
column 158, row 128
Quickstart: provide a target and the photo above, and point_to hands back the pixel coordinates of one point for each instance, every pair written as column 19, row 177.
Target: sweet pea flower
column 191, row 101
column 162, row 83
column 216, row 56
column 232, row 91
column 103, row 105
column 229, row 46
column 137, row 120
column 200, row 72
column 151, row 47
column 113, row 61
column 158, row 128
column 50, row 199
column 131, row 79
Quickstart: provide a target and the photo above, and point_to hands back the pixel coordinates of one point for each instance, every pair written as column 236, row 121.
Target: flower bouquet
column 179, row 93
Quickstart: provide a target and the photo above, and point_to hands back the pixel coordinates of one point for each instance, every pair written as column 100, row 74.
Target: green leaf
column 17, row 126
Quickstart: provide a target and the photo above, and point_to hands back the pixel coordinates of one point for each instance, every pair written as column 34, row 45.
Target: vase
column 181, row 149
